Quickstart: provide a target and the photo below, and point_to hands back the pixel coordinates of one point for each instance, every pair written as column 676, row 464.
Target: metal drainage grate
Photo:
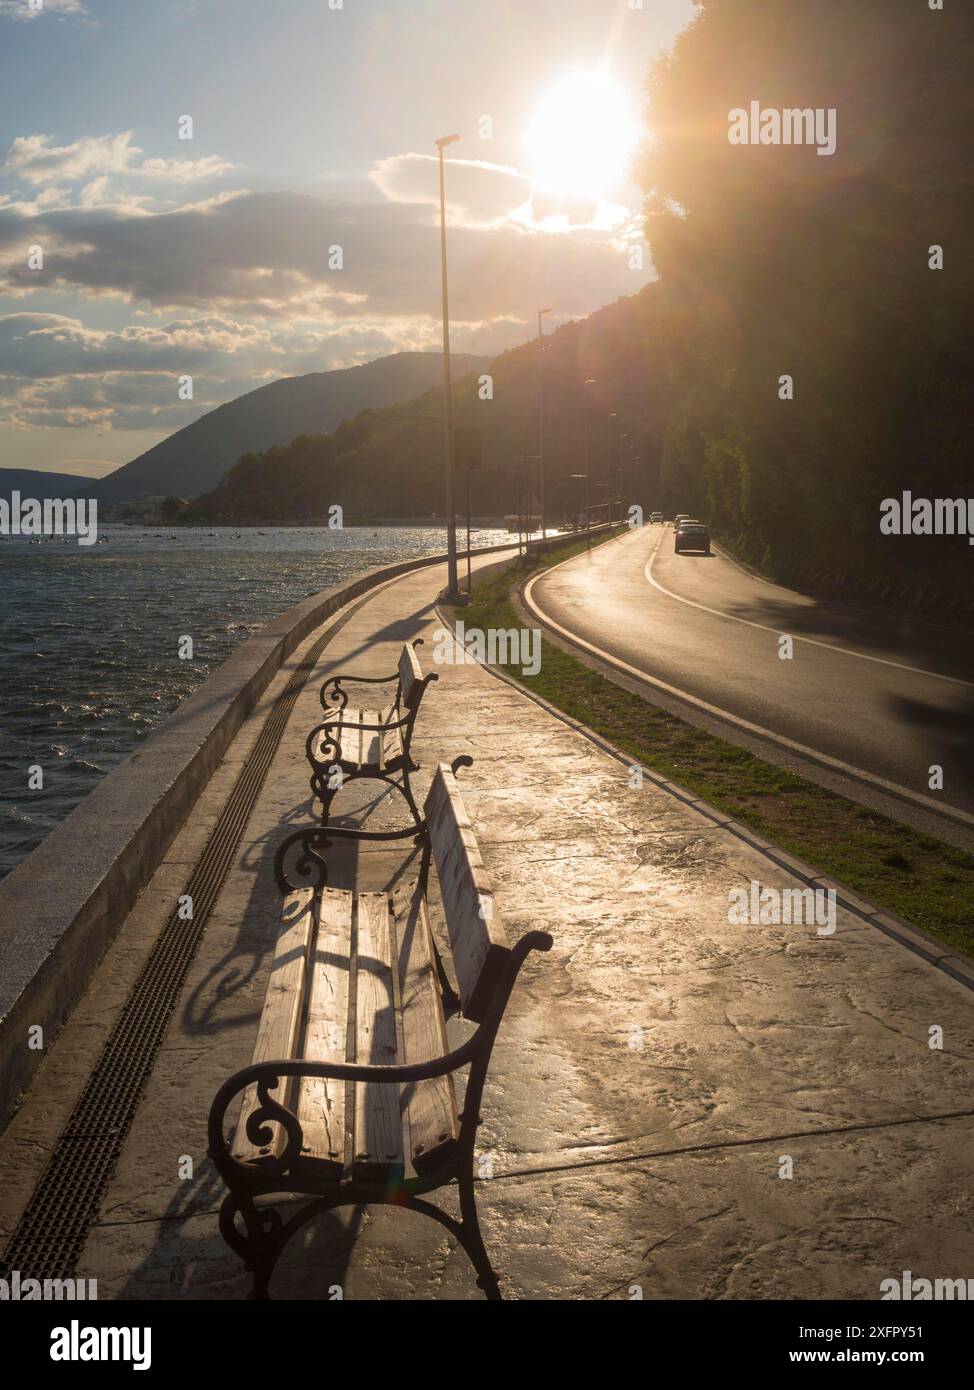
column 51, row 1233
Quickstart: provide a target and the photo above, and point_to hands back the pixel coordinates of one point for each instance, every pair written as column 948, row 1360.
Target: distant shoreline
column 493, row 523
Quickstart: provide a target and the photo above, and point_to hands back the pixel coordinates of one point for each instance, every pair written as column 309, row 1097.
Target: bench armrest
column 331, row 692
column 267, row 1077
column 337, row 715
column 364, row 680
column 330, row 742
column 271, row 1073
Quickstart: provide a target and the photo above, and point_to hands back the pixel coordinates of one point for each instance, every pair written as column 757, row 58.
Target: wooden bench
column 350, row 1097
column 357, row 742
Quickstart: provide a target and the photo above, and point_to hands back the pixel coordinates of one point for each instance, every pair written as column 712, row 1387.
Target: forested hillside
column 196, row 458
column 775, row 260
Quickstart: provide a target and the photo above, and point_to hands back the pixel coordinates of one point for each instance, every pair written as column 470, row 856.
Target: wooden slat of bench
column 410, row 674
column 477, row 937
column 371, row 740
column 377, row 1150
column 429, row 1108
column 391, row 746
column 350, row 735
column 280, row 1019
column 321, row 1101
column 362, row 746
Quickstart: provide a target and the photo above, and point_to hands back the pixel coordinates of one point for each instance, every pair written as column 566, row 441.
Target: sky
column 296, row 230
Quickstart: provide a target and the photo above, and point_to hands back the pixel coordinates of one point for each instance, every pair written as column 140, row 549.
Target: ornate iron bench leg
column 262, row 1253
column 257, row 1244
column 263, row 1269
column 274, row 1247
column 407, row 792
column 473, row 1241
column 324, row 760
column 321, row 788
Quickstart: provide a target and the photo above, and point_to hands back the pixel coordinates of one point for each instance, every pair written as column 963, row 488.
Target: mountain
column 194, row 459
column 389, row 462
column 34, row 482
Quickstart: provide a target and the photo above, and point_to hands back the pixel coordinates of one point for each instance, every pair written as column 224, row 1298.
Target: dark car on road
column 691, row 535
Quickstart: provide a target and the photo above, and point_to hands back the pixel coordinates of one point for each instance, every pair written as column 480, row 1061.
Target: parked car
column 691, row 535
column 656, row 518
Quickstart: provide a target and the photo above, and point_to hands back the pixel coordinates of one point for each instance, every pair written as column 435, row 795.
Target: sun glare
column 582, row 135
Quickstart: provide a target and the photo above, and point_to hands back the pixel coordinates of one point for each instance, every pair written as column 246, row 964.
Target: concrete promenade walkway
column 652, row 1074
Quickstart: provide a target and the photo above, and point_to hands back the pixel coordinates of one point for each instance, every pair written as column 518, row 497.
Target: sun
column 582, row 135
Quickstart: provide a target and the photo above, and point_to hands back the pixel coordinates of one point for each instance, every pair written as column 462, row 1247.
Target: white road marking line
column 811, row 641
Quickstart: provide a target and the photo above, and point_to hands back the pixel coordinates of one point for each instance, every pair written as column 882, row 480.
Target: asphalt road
column 882, row 698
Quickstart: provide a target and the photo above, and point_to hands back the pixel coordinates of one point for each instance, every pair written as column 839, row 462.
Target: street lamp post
column 452, row 584
column 586, row 427
column 624, row 443
column 585, row 505
column 541, row 313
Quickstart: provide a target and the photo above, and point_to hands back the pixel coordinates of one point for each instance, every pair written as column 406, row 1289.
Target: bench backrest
column 410, row 675
column 477, row 938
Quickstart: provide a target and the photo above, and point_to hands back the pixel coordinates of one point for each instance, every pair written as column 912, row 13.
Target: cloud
column 477, row 192
column 210, row 166
column 57, row 373
column 35, row 160
column 484, row 195
column 117, row 400
column 25, row 10
column 241, row 287
column 271, row 254
column 53, row 345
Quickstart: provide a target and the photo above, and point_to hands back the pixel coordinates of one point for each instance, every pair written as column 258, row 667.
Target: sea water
column 90, row 639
